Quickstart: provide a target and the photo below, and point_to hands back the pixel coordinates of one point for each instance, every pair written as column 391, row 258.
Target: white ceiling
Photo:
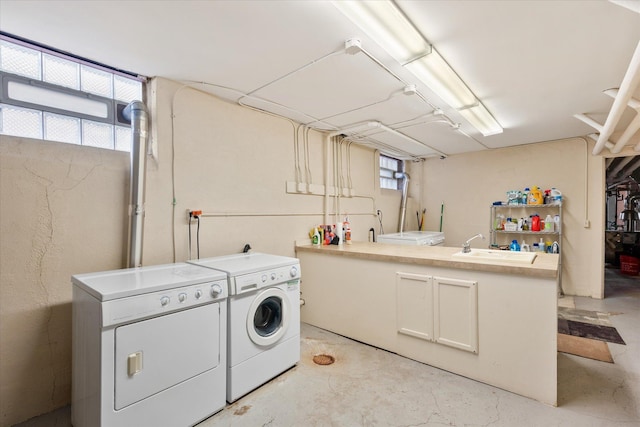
column 534, row 64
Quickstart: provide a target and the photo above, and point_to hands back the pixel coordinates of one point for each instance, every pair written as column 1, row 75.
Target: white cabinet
column 414, row 305
column 438, row 309
column 455, row 314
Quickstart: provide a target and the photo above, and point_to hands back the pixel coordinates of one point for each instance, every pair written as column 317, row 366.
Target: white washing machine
column 149, row 346
column 263, row 339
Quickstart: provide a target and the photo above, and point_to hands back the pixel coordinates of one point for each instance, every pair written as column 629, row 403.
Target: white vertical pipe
column 629, row 83
column 327, row 154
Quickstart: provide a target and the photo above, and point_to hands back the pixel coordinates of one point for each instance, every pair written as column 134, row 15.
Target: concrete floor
column 371, row 387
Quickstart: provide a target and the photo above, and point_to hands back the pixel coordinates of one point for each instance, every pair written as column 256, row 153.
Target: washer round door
column 268, row 317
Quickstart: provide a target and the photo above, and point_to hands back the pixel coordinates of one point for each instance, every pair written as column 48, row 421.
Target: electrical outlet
column 587, row 223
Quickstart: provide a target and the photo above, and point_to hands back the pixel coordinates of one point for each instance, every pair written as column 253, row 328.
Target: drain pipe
column 403, row 201
column 136, row 113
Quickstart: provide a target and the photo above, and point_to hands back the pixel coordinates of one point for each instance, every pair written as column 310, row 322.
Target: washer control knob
column 164, row 301
column 293, row 272
column 216, row 290
column 198, row 294
column 182, row 297
column 273, row 276
column 264, row 278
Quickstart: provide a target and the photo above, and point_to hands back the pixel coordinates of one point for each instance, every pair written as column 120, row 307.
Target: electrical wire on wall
column 173, row 168
column 195, row 215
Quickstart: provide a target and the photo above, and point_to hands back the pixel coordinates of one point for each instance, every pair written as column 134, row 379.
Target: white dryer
column 149, row 346
column 263, row 339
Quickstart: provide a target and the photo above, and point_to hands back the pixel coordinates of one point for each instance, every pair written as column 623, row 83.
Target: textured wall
column 62, row 211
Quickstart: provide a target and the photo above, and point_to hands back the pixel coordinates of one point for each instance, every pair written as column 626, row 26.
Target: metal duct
column 403, row 201
column 136, row 113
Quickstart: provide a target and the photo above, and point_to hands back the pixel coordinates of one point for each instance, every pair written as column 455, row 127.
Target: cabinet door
column 414, row 305
column 456, row 313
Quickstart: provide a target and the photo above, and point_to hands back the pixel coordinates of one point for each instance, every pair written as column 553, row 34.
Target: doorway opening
column 622, row 228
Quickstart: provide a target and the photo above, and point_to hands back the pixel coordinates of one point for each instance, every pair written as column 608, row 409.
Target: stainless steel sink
column 496, row 255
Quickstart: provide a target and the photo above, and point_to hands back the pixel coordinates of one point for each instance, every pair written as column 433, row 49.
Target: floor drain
column 323, row 359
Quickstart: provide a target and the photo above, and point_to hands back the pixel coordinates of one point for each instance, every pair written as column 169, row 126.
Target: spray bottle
column 347, row 230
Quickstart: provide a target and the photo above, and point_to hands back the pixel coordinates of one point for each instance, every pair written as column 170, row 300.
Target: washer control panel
column 271, row 277
column 148, row 305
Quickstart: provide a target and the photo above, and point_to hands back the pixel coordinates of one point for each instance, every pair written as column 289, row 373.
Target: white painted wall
column 234, row 163
column 469, row 183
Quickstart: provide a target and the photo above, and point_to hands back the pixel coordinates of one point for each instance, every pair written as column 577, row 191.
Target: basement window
column 51, row 95
column 388, row 167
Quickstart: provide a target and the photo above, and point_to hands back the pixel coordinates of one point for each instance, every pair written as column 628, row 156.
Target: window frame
column 114, row 107
column 401, row 167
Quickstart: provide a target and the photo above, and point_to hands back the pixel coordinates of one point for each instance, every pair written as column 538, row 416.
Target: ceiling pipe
column 632, row 128
column 136, row 113
column 594, row 136
column 629, row 83
column 629, row 169
column 624, row 162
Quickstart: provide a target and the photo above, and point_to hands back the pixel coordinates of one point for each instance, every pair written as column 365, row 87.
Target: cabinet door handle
column 134, row 363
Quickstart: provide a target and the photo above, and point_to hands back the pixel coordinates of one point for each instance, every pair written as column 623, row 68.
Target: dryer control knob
column 198, row 294
column 293, row 272
column 273, row 276
column 216, row 290
column 264, row 278
column 164, row 301
column 182, row 297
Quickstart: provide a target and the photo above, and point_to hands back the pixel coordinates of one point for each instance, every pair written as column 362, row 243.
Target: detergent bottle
column 535, row 196
column 535, row 222
column 556, row 196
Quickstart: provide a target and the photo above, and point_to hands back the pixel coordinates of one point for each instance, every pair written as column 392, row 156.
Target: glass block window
column 62, row 128
column 20, row 121
column 57, row 97
column 388, row 167
column 96, row 134
column 20, row 60
column 96, row 81
column 123, row 138
column 60, row 71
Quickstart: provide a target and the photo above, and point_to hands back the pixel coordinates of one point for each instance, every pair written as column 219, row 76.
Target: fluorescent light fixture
column 390, row 28
column 481, row 119
column 387, row 25
column 433, row 71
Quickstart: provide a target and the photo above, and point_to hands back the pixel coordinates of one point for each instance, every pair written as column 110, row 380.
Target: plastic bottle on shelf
column 535, row 196
column 548, row 223
column 535, row 222
column 316, row 237
column 347, row 230
column 556, row 196
column 525, row 196
column 541, row 246
column 514, row 246
column 524, row 247
column 556, row 222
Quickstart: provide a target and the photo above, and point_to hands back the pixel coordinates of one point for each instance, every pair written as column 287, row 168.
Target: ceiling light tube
column 387, row 26
column 433, row 71
column 390, row 28
column 481, row 119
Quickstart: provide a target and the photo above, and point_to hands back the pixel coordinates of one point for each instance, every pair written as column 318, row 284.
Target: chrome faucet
column 466, row 248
